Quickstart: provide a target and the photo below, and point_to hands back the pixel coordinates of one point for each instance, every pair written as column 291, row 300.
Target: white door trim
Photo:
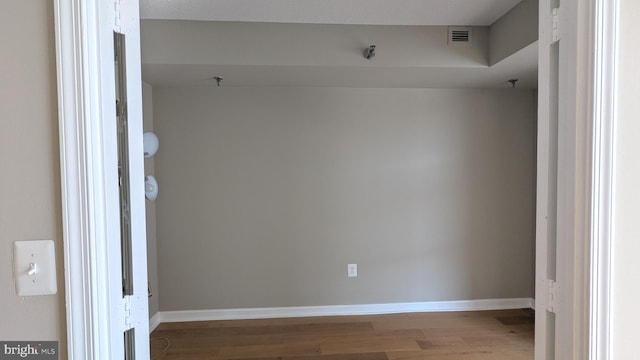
column 83, row 190
column 97, row 313
column 585, row 146
column 606, row 19
column 576, row 143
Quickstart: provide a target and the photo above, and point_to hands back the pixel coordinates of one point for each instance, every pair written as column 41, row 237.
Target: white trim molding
column 605, row 79
column 154, row 321
column 343, row 310
column 77, row 58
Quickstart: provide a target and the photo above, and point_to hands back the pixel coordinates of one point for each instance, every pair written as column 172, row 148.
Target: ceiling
column 281, row 67
column 358, row 12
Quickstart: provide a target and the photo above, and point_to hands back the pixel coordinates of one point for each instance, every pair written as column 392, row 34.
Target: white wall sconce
column 150, row 188
column 150, row 144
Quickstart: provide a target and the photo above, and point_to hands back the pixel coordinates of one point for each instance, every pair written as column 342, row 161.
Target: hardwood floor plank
column 367, row 356
column 515, row 320
column 368, row 345
column 261, row 351
column 436, row 342
column 271, row 329
column 356, row 336
column 495, row 335
column 477, row 354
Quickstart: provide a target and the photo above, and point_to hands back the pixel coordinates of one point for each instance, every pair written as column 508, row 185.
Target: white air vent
column 460, row 36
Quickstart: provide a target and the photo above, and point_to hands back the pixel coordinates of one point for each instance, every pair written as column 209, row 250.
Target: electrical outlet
column 352, row 270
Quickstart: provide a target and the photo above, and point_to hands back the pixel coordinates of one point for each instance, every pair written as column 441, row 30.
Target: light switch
column 34, row 267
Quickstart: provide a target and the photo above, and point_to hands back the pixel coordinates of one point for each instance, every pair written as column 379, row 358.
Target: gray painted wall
column 514, row 31
column 29, row 160
column 150, row 206
column 273, row 44
column 267, row 193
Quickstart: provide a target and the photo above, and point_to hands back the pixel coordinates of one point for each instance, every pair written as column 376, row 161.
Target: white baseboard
column 341, row 310
column 154, row 321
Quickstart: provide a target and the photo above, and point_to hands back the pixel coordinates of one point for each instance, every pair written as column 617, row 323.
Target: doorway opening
column 296, row 154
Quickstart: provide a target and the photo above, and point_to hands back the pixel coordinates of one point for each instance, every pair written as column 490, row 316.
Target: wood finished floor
column 444, row 336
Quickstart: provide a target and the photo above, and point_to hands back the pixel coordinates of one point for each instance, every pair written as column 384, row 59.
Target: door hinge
column 127, row 312
column 116, row 8
column 552, row 305
column 557, row 25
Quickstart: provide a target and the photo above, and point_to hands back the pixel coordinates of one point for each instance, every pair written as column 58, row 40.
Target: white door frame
column 602, row 190
column 564, row 179
column 97, row 314
column 588, row 30
column 83, row 193
column 87, row 220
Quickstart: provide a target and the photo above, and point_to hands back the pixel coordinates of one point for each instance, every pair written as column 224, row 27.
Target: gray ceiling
column 361, row 12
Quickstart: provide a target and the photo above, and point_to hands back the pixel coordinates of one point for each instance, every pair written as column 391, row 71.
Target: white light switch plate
column 34, row 267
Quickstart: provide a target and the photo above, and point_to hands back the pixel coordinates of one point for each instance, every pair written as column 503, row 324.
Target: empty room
column 324, row 180
column 341, row 184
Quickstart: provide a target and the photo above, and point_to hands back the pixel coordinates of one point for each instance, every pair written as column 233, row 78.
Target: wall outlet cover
column 352, row 270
